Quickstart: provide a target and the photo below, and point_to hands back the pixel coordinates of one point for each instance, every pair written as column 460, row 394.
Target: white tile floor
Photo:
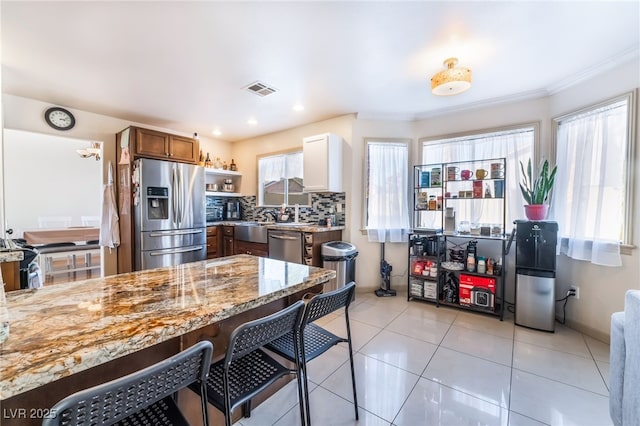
column 421, row 365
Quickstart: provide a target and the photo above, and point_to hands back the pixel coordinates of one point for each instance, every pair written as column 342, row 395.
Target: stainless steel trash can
column 341, row 257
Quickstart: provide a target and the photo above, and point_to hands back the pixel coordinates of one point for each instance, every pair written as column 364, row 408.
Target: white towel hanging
column 109, row 227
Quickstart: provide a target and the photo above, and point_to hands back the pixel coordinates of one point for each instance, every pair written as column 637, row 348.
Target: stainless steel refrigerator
column 536, row 274
column 169, row 213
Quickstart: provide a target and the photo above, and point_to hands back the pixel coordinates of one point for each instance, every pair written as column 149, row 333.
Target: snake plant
column 537, row 192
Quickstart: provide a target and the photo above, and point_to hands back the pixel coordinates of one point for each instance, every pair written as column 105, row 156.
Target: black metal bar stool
column 144, row 397
column 246, row 370
column 315, row 340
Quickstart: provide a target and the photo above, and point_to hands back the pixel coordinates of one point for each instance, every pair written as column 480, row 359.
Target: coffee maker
column 232, row 210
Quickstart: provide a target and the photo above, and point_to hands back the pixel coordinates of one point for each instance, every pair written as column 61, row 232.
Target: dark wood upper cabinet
column 153, row 144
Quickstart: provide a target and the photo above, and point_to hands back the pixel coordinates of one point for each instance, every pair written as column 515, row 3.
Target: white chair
column 54, row 221
column 90, row 221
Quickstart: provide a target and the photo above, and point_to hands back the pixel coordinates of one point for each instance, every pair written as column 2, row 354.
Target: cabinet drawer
column 212, row 231
column 227, row 231
column 255, row 249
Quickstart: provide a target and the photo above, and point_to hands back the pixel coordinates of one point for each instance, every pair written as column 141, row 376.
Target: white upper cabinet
column 322, row 160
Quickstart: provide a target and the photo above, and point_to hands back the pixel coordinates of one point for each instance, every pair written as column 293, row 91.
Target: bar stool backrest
column 257, row 333
column 325, row 303
column 113, row 401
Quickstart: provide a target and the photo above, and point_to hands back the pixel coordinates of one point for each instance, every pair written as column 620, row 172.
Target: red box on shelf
column 477, row 291
column 477, row 189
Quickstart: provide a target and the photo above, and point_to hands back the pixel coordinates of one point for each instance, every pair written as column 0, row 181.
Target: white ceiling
column 182, row 65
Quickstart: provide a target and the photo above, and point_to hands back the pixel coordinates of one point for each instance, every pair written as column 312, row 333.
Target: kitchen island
column 71, row 336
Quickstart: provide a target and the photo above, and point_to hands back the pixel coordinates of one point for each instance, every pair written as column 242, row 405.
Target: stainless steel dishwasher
column 286, row 245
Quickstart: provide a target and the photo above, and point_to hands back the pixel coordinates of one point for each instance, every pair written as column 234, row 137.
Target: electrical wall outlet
column 576, row 290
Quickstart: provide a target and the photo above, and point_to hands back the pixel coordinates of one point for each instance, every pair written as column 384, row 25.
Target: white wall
column 44, row 176
column 246, row 152
column 368, row 261
column 28, row 114
column 602, row 288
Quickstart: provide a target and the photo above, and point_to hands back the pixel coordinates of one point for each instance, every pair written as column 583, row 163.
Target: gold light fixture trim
column 452, row 80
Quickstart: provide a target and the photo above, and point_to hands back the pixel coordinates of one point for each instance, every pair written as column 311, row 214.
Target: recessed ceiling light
column 298, row 107
column 217, row 132
column 252, row 122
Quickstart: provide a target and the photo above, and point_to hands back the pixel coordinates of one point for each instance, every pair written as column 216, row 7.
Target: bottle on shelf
column 482, row 265
column 224, row 165
column 201, row 159
column 233, row 167
column 207, row 161
column 432, row 202
column 471, row 263
column 217, row 163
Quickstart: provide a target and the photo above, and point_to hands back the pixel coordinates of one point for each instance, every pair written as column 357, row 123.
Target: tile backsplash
column 322, row 205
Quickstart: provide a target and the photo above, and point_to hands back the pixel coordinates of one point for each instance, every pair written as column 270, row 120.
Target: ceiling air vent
column 260, row 88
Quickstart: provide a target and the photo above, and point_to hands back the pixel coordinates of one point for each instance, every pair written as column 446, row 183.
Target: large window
column 280, row 180
column 387, row 209
column 515, row 144
column 592, row 194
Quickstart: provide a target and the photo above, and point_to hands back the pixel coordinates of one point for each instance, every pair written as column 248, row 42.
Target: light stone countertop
column 60, row 330
column 11, row 256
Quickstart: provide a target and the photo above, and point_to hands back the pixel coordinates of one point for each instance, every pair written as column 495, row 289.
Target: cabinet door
column 152, row 144
column 212, row 242
column 227, row 243
column 183, row 149
column 315, row 158
column 322, row 161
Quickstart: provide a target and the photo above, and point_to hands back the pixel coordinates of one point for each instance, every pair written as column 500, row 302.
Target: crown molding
column 523, row 96
column 597, row 69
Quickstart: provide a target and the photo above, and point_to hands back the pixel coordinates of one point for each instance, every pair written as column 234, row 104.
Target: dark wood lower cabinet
column 227, row 241
column 256, row 249
column 213, row 238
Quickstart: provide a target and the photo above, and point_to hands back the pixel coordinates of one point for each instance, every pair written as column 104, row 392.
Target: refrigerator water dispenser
column 157, row 203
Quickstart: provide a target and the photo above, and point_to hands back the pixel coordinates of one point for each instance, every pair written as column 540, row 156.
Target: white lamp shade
column 452, row 80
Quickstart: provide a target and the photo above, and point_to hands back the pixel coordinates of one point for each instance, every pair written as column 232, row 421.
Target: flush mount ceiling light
column 452, row 80
column 94, row 151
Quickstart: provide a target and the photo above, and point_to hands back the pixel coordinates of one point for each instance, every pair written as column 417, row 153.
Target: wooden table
column 71, row 336
column 61, row 235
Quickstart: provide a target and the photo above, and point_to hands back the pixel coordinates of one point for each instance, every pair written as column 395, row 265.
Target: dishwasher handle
column 282, row 237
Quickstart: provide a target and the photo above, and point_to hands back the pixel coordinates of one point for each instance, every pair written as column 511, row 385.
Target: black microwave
column 214, row 213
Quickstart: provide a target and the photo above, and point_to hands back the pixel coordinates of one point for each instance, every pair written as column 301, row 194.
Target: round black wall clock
column 59, row 118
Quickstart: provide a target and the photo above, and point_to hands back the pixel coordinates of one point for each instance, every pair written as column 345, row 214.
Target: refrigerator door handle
column 175, row 251
column 177, row 232
column 182, row 194
column 174, row 197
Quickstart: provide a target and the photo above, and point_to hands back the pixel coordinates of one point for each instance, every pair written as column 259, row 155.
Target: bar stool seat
column 140, row 398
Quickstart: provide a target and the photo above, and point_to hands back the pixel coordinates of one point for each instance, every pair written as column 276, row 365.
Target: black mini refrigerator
column 536, row 274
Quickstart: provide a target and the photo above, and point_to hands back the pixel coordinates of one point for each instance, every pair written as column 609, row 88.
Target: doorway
column 53, row 192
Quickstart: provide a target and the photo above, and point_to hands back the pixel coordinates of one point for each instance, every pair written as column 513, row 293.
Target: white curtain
column 589, row 192
column 387, row 205
column 514, row 145
column 270, row 169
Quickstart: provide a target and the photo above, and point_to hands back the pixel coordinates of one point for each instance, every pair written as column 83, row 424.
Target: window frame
column 535, row 158
column 259, row 189
column 631, row 97
column 365, row 172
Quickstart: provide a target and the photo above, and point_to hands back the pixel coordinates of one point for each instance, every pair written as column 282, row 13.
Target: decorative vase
column 536, row 211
